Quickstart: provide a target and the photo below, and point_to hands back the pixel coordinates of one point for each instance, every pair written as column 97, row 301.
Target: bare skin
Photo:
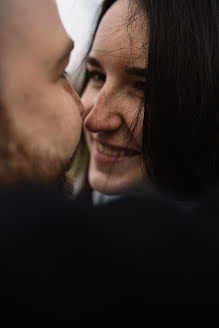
column 40, row 114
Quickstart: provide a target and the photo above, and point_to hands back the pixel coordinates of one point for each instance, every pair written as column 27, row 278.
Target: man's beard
column 24, row 164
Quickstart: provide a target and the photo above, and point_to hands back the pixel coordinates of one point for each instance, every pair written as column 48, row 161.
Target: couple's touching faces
column 40, row 115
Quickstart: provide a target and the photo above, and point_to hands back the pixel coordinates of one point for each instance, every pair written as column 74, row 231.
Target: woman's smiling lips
column 105, row 153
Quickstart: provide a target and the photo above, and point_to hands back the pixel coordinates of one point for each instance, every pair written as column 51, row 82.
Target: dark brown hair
column 180, row 146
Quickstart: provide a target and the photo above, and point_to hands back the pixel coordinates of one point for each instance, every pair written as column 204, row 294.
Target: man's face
column 40, row 118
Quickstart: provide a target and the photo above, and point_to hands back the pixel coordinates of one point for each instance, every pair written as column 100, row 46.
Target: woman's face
column 112, row 98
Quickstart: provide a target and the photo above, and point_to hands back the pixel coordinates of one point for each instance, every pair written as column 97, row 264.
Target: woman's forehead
column 118, row 36
column 122, row 18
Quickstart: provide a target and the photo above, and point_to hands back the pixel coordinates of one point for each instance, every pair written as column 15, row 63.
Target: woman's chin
column 108, row 185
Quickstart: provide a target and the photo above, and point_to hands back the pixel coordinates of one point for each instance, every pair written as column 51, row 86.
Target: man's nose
column 78, row 102
column 103, row 114
column 75, row 96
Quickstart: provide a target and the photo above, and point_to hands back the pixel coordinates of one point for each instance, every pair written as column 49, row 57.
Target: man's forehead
column 32, row 30
column 30, row 18
column 20, row 12
column 11, row 6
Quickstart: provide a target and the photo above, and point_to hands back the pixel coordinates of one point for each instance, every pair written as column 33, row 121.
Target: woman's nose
column 102, row 114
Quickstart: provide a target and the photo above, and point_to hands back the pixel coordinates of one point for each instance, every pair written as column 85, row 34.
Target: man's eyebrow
column 137, row 71
column 93, row 62
column 67, row 50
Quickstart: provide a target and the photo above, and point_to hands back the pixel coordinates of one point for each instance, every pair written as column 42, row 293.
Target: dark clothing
column 64, row 260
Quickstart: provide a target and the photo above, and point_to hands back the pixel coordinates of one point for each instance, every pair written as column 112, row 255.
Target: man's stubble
column 24, row 163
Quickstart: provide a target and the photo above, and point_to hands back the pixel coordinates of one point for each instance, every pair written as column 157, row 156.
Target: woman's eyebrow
column 130, row 70
column 93, row 61
column 137, row 71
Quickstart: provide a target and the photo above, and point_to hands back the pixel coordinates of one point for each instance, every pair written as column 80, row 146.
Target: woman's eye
column 96, row 76
column 139, row 85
